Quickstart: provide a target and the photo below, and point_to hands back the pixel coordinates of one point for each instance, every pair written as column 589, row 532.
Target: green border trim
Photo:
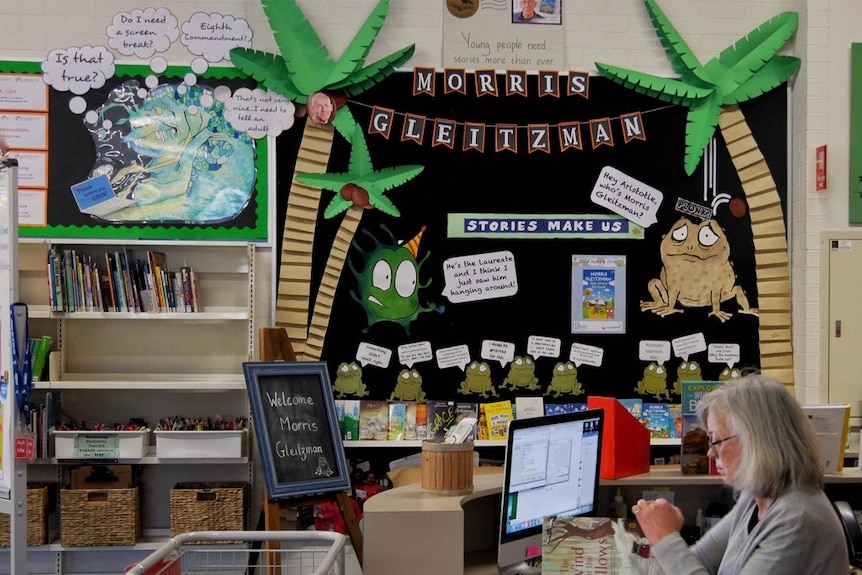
column 162, row 231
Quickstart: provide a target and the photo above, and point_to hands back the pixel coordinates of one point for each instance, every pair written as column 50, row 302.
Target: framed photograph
column 294, row 420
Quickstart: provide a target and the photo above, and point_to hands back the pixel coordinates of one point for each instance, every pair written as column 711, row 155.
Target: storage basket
column 38, row 506
column 95, row 517
column 214, row 506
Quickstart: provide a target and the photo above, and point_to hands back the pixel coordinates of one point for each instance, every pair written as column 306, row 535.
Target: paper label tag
column 97, row 446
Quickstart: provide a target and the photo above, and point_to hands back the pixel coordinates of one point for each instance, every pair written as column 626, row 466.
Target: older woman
column 782, row 521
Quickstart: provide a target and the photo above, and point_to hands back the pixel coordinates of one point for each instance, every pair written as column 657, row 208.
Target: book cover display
column 498, row 414
column 695, row 441
column 373, row 419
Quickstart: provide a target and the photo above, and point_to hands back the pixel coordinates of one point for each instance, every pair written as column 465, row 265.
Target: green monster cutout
column 408, row 386
column 389, row 282
column 564, row 380
column 729, row 373
column 348, row 381
column 687, row 371
column 522, row 374
column 478, row 380
column 654, row 382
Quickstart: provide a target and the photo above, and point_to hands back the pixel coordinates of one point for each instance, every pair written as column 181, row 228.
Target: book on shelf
column 421, row 420
column 351, row 419
column 373, row 419
column 694, row 448
column 397, row 417
column 441, row 416
column 498, row 414
column 40, row 356
column 465, row 409
column 832, row 425
column 410, row 419
column 634, row 405
column 527, row 406
column 554, row 408
column 656, row 418
column 674, row 412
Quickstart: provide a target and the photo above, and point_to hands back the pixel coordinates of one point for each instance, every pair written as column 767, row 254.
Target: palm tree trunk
column 329, row 283
column 303, row 203
column 770, row 245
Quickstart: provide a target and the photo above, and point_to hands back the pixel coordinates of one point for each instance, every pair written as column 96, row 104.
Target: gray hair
column 780, row 449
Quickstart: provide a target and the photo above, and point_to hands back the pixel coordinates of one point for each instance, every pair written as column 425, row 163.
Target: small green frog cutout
column 522, row 374
column 654, row 382
column 687, row 371
column 564, row 380
column 348, row 381
column 478, row 380
column 408, row 387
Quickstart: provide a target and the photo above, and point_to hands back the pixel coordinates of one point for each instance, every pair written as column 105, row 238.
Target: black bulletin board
column 296, row 428
column 455, row 180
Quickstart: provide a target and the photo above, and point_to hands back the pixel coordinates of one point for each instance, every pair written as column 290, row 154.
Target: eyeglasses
column 714, row 444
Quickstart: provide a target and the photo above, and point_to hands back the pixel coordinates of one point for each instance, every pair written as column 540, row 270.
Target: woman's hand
column 658, row 518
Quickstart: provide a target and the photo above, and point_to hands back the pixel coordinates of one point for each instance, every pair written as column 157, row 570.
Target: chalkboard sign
column 293, row 412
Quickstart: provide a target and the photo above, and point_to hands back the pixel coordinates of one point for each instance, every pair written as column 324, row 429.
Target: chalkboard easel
column 275, row 346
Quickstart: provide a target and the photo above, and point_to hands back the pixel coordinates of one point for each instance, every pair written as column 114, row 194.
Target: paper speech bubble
column 259, row 113
column 502, row 351
column 539, row 346
column 213, row 35
column 142, row 33
column 686, row 345
column 78, row 69
column 480, row 276
column 589, row 354
column 626, row 196
column 654, row 350
column 411, row 353
column 455, row 356
column 368, row 353
column 726, row 353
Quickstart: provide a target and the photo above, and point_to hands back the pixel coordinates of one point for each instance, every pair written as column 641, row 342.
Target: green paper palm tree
column 305, row 67
column 356, row 190
column 712, row 93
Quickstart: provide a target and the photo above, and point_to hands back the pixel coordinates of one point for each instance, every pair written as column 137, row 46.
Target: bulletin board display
column 173, row 166
column 532, row 276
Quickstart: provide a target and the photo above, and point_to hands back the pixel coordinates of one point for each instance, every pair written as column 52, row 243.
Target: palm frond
column 305, row 55
column 388, row 178
column 699, row 130
column 266, row 69
column 336, row 206
column 360, row 80
column 332, row 181
column 681, row 57
column 353, row 57
column 770, row 76
column 360, row 158
column 385, row 205
column 760, row 44
column 665, row 89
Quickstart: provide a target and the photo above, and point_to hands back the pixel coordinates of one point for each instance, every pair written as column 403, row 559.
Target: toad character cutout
column 696, row 272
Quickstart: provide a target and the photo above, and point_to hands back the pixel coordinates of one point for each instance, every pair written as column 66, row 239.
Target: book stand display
column 275, row 346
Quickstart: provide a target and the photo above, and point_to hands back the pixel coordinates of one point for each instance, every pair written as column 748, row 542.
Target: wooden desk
column 409, row 531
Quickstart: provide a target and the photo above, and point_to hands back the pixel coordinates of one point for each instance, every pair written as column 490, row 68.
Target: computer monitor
column 552, row 469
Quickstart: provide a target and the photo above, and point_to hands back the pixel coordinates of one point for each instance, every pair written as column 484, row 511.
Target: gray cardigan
column 800, row 534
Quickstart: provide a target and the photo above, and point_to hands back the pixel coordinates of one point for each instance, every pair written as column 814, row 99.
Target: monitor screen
column 552, row 469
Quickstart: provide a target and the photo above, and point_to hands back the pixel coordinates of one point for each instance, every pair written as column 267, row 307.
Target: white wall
column 617, row 31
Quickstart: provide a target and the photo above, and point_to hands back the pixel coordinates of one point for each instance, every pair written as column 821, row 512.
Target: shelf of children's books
column 210, row 314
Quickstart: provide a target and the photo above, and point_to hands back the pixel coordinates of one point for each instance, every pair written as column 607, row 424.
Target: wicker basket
column 38, row 506
column 95, row 517
column 209, row 507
